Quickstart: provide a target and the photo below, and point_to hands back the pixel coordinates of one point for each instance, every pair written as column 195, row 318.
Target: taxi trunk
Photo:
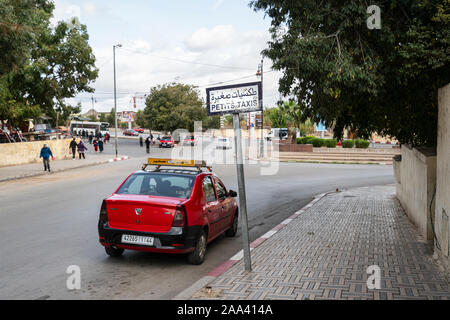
column 141, row 212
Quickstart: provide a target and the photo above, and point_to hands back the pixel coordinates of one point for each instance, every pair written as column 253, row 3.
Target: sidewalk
column 36, row 169
column 323, row 252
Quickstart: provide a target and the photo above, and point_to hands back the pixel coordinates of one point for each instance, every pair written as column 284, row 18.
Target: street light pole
column 115, row 99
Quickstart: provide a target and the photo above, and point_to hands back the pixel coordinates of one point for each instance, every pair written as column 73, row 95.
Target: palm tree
column 294, row 113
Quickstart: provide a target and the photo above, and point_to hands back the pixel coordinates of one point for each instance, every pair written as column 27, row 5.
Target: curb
column 225, row 266
column 35, row 174
column 118, row 159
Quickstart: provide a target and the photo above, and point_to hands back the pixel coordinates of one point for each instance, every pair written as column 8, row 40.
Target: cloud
column 217, row 37
column 65, row 10
column 141, row 64
column 217, row 4
column 89, row 8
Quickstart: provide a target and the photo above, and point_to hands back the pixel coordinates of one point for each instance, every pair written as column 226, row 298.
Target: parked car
column 190, row 141
column 130, row 132
column 223, row 143
column 168, row 211
column 140, row 130
column 277, row 134
column 166, row 142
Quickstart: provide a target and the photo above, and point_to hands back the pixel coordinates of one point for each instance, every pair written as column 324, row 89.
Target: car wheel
column 198, row 255
column 234, row 227
column 114, row 252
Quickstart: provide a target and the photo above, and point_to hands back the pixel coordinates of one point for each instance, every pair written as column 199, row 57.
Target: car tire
column 114, row 252
column 234, row 227
column 198, row 255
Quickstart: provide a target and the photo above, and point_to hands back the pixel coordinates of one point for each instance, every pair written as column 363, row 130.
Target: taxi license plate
column 146, row 241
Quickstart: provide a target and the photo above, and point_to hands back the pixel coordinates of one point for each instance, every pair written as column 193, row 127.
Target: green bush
column 317, row 142
column 301, row 140
column 330, row 143
column 306, row 140
column 360, row 143
column 309, row 139
column 348, row 144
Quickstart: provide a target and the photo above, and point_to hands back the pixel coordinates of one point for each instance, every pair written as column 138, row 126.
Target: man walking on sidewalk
column 45, row 155
column 147, row 145
column 73, row 146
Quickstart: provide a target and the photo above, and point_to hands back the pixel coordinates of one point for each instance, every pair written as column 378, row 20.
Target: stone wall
column 28, row 152
column 442, row 207
column 416, row 178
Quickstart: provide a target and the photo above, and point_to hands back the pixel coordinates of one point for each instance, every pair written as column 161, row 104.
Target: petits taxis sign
column 236, row 98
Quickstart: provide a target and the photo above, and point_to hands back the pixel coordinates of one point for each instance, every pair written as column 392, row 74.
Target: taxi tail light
column 179, row 218
column 103, row 213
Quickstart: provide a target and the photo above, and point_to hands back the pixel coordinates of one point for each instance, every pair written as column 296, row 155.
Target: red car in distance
column 130, row 132
column 172, row 210
column 140, row 130
column 166, row 142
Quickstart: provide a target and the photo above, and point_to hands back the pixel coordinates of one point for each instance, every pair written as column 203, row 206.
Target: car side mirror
column 232, row 193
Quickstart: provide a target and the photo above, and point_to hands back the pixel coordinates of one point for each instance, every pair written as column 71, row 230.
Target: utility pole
column 115, row 98
column 92, row 99
column 261, row 143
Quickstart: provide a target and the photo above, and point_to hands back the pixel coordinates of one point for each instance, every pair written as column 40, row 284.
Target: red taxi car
column 166, row 142
column 178, row 207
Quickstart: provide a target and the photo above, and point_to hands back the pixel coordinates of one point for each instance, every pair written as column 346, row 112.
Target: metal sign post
column 235, row 99
column 241, row 189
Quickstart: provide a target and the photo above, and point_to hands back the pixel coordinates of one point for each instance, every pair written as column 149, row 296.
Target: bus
column 76, row 127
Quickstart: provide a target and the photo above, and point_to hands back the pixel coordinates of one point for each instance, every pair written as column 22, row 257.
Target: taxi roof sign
column 176, row 163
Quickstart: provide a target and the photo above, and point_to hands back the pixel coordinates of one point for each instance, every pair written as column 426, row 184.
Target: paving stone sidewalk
column 35, row 169
column 325, row 251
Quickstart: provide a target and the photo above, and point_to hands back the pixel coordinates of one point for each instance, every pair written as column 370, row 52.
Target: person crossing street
column 45, row 155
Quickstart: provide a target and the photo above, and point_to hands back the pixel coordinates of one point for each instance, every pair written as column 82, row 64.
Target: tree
column 103, row 117
column 276, row 116
column 347, row 75
column 174, row 106
column 20, row 22
column 111, row 118
column 140, row 119
column 41, row 66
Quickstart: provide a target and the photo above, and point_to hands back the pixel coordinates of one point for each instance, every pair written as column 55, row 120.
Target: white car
column 223, row 143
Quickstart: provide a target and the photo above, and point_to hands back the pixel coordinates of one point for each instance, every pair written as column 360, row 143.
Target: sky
column 197, row 42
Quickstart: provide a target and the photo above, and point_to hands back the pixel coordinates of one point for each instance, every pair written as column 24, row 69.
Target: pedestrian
column 147, row 145
column 91, row 136
column 81, row 149
column 73, row 146
column 141, row 141
column 100, row 145
column 45, row 155
column 106, row 137
column 95, row 143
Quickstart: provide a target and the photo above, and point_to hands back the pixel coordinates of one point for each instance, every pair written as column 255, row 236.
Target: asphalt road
column 49, row 223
